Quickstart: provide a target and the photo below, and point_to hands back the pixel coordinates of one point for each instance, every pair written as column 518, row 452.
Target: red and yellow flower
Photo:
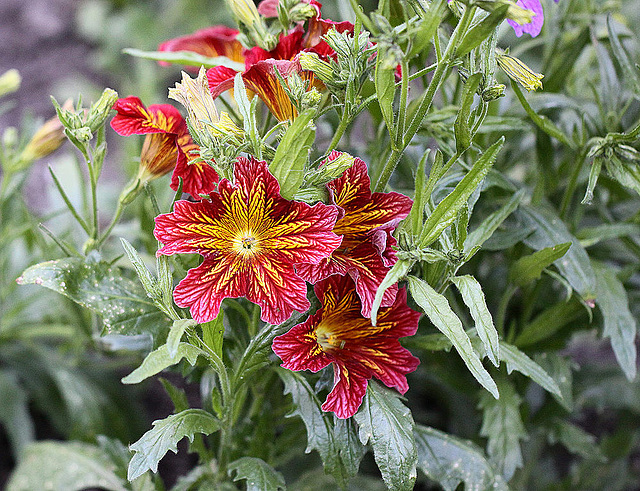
column 366, row 222
column 338, row 334
column 167, row 146
column 250, row 238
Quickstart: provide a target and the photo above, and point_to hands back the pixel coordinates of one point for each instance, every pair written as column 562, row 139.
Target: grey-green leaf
column 292, row 154
column 165, row 435
column 461, row 125
column 388, row 425
column 450, row 461
column 259, row 475
column 14, row 413
column 439, row 312
column 176, row 333
column 189, row 58
column 619, row 323
column 396, row 273
column 517, row 360
column 159, row 359
column 529, row 268
column 481, row 30
column 473, row 298
column 502, row 425
column 385, row 90
column 64, row 465
column 549, row 230
column 122, row 303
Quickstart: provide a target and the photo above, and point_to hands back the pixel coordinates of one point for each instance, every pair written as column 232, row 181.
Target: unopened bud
column 311, row 99
column 492, row 93
column 99, row 111
column 302, row 12
column 313, row 63
column 10, row 137
column 47, row 139
column 245, row 11
column 518, row 71
column 83, row 134
column 10, row 81
column 330, row 170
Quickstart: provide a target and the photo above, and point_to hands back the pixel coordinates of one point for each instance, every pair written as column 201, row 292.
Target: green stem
column 344, row 122
column 113, row 223
column 573, row 183
column 427, row 99
column 502, row 308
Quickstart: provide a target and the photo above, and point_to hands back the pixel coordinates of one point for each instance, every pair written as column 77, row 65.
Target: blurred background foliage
column 59, row 380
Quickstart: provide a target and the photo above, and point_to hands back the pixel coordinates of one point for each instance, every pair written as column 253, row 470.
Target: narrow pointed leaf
column 14, row 413
column 517, row 360
column 529, row 268
column 461, row 125
column 385, row 90
column 158, row 360
column 482, row 30
column 176, row 333
column 439, row 312
column 396, row 273
column 473, row 298
column 189, row 58
column 549, row 322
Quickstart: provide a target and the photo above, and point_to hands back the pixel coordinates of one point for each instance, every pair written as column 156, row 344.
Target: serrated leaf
column 149, row 283
column 517, row 360
column 575, row 439
column 450, row 461
column 292, row 154
column 396, row 273
column 385, row 82
column 461, row 125
column 445, row 213
column 489, row 225
column 502, row 425
column 559, row 369
column 259, row 475
column 348, row 443
column 473, row 298
column 388, row 426
column 439, row 312
column 175, row 334
column 320, row 432
column 529, row 268
column 550, row 321
column 619, row 323
column 189, row 58
column 14, row 413
column 165, row 435
column 159, row 359
column 64, row 465
column 122, row 303
column 549, row 230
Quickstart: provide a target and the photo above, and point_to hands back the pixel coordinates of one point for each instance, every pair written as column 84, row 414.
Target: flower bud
column 492, row 93
column 83, row 134
column 99, row 111
column 312, row 62
column 330, row 170
column 47, row 139
column 9, row 81
column 518, row 71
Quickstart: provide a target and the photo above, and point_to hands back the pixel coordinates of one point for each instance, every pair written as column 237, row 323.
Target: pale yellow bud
column 9, row 81
column 245, row 11
column 195, row 96
column 518, row 71
column 312, row 62
column 46, row 140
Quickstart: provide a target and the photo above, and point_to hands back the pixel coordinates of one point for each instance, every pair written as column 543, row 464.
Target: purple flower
column 535, row 26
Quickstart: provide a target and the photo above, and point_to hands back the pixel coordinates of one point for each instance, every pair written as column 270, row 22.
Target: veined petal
column 198, row 177
column 220, row 79
column 319, row 27
column 359, row 351
column 251, row 238
column 288, row 47
column 211, row 42
column 159, row 154
column 134, row 118
column 535, row 26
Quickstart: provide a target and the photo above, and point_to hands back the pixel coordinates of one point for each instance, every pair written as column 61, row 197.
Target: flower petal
column 134, row 118
column 535, row 26
column 350, row 386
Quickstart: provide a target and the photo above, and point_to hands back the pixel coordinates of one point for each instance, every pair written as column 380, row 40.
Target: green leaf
column 559, row 369
column 213, row 333
column 575, row 439
column 450, row 461
column 461, row 126
column 176, row 333
column 388, row 426
column 292, row 154
column 396, row 273
column 320, row 431
column 619, row 323
column 429, row 21
column 489, row 225
column 473, row 298
column 626, row 173
column 159, row 359
column 149, row 283
column 594, row 174
column 502, row 425
column 590, row 236
column 385, row 81
column 165, row 435
column 188, row 58
column 439, row 312
column 549, row 230
column 447, row 210
column 622, row 57
column 178, row 396
column 413, row 222
column 517, row 360
column 122, row 303
column 348, row 444
column 64, row 465
column 482, row 30
column 259, row 475
column 530, row 267
column 14, row 413
column 550, row 321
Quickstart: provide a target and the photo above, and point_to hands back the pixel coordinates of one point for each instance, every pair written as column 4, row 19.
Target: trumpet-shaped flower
column 338, row 334
column 167, row 146
column 250, row 238
column 366, row 222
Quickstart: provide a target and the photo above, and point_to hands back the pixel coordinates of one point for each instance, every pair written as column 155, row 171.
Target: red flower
column 211, row 42
column 337, row 333
column 366, row 223
column 250, row 238
column 167, row 146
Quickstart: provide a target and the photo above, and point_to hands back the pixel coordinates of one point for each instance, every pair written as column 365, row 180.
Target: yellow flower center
column 327, row 339
column 246, row 244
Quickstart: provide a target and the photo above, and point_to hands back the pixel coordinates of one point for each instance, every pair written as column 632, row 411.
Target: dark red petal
column 350, row 386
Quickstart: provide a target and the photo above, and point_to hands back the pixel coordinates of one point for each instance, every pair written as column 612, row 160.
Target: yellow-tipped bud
column 519, row 72
column 10, row 81
column 47, row 139
column 312, row 62
column 245, row 11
